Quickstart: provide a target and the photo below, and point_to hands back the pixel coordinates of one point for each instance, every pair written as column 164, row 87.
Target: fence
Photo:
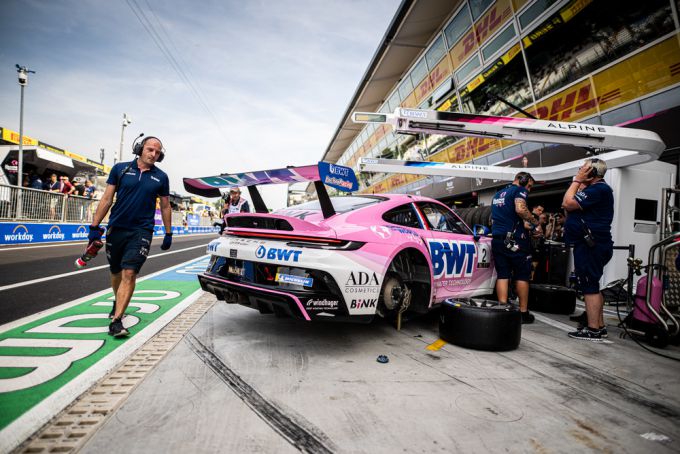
column 25, row 204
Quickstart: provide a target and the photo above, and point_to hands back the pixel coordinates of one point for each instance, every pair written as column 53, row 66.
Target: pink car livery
column 341, row 258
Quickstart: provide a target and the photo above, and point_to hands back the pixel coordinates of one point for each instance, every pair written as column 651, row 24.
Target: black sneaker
column 603, row 332
column 587, row 334
column 116, row 328
column 527, row 318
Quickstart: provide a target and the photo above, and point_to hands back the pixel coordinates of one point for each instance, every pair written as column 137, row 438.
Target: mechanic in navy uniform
column 511, row 242
column 589, row 202
column 136, row 185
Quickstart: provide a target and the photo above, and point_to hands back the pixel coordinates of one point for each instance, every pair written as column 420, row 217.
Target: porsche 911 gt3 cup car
column 342, row 258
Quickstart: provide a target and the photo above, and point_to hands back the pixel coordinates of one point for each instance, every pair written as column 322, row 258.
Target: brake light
column 302, row 240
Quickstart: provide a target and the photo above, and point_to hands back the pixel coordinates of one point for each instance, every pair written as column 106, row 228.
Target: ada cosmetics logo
column 362, row 282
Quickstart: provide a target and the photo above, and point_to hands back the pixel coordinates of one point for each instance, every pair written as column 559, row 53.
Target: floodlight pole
column 126, row 121
column 23, row 81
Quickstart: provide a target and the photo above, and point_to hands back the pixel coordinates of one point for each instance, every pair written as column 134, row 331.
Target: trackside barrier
column 30, row 233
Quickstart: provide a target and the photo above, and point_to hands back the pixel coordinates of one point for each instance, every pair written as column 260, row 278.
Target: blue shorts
column 511, row 265
column 127, row 249
column 589, row 264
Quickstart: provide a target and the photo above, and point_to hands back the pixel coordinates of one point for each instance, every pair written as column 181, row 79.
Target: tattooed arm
column 523, row 211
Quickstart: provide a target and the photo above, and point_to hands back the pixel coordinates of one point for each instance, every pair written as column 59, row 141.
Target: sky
column 228, row 86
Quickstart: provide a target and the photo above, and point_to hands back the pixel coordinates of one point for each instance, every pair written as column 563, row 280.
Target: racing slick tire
column 480, row 324
column 552, row 299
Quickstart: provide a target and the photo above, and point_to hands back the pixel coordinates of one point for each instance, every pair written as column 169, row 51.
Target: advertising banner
column 30, row 233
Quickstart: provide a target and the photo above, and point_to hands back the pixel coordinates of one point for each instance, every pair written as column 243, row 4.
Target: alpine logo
column 452, row 258
column 277, row 254
column 363, row 303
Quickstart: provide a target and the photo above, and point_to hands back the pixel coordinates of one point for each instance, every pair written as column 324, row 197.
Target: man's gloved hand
column 167, row 241
column 96, row 233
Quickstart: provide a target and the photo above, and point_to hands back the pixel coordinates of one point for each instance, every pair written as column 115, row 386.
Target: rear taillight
column 302, row 241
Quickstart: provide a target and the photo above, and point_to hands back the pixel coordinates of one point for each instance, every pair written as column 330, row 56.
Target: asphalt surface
column 21, row 264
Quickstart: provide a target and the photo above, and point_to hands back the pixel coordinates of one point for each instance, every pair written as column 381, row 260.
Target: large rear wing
column 339, row 177
column 629, row 146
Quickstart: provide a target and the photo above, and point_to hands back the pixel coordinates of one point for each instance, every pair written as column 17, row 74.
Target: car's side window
column 441, row 219
column 403, row 215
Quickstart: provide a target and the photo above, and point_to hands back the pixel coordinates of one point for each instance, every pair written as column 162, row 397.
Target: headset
column 524, row 178
column 138, row 146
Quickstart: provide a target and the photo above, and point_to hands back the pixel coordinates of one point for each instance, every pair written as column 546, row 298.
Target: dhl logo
column 430, row 82
column 485, row 26
column 573, row 103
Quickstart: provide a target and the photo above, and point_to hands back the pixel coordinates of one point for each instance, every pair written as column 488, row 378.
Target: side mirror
column 479, row 230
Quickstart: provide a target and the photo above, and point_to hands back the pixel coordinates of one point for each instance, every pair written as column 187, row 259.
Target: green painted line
column 34, row 357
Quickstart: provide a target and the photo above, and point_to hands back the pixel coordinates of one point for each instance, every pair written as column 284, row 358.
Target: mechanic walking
column 589, row 202
column 511, row 243
column 136, row 185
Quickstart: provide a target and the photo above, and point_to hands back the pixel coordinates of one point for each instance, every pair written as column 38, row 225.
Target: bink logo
column 452, row 258
column 277, row 254
column 53, row 234
column 362, row 278
column 19, row 233
column 363, row 303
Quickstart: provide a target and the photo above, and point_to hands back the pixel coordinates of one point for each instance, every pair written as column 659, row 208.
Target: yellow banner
column 436, row 77
column 13, row 137
column 641, row 74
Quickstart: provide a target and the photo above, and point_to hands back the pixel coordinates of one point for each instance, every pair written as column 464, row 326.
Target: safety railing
column 26, row 204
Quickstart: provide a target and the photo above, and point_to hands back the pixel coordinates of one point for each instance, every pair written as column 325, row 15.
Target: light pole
column 126, row 121
column 23, row 81
column 101, row 156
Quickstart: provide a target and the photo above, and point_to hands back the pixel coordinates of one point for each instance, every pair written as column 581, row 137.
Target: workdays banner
column 28, row 233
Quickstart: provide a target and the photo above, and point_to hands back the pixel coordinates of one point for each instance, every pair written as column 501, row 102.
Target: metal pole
column 120, row 152
column 20, row 170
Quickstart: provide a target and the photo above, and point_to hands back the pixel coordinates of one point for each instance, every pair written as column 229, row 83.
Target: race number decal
column 483, row 256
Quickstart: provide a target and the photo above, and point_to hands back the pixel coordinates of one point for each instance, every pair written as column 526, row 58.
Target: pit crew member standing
column 136, row 185
column 589, row 202
column 511, row 243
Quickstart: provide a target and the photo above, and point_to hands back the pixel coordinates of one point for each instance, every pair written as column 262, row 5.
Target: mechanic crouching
column 511, row 242
column 589, row 202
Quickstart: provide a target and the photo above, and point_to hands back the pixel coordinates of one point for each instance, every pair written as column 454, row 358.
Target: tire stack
column 475, row 215
column 480, row 324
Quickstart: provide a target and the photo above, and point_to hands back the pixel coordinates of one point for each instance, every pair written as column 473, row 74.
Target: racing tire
column 486, row 216
column 480, row 324
column 552, row 299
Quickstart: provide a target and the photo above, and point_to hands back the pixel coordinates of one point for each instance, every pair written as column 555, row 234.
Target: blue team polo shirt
column 503, row 214
column 136, row 195
column 597, row 211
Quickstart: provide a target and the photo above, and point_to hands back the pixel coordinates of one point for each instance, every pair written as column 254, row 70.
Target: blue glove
column 96, row 233
column 167, row 241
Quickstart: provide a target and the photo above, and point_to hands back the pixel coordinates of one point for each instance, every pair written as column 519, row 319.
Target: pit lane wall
column 29, row 233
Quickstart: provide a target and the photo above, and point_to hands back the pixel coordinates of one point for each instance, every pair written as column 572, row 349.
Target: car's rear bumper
column 304, row 305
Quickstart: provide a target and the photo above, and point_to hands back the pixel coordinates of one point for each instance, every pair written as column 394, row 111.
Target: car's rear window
column 342, row 204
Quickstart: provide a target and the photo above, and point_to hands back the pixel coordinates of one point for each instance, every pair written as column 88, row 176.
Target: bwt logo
column 54, row 233
column 277, row 254
column 336, row 170
column 20, row 233
column 414, row 113
column 452, row 258
column 81, row 232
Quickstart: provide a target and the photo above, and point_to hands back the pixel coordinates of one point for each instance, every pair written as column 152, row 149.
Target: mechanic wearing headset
column 511, row 245
column 136, row 185
column 589, row 202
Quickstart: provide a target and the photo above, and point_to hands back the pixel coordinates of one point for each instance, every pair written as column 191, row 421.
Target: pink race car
column 342, row 258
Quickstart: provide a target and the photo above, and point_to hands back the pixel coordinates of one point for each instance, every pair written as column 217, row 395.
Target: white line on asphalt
column 71, row 273
column 30, row 318
column 73, row 243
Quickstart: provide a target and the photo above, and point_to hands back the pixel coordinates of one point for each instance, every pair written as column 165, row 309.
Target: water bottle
column 90, row 253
